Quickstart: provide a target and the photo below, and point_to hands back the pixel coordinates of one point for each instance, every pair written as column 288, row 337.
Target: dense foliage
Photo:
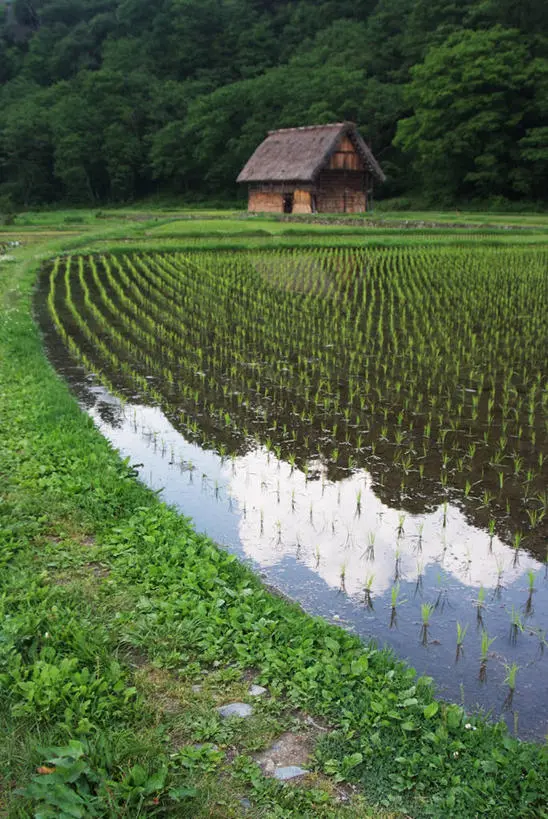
column 109, row 100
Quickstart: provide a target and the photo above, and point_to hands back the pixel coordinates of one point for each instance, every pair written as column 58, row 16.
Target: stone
column 235, row 709
column 256, row 691
column 196, row 689
column 288, row 754
column 289, row 772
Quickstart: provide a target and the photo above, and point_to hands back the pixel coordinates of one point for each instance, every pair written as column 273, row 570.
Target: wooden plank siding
column 341, row 191
column 345, row 157
column 265, row 201
column 302, row 202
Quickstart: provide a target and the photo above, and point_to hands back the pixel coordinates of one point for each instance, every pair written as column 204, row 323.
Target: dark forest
column 117, row 100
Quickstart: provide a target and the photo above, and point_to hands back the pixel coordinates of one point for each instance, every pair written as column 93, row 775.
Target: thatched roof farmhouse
column 317, row 168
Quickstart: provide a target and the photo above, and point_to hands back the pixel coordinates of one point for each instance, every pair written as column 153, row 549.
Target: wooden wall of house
column 302, row 202
column 272, row 201
column 265, row 201
column 341, row 192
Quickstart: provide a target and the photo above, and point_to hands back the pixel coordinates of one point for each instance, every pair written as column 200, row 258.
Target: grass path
column 122, row 630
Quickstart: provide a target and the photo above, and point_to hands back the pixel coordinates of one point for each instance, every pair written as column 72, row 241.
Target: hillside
column 115, row 100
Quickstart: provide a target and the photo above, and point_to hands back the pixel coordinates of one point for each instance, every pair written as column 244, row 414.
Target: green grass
column 113, row 607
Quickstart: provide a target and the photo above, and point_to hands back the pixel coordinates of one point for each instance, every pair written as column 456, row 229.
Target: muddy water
column 320, row 542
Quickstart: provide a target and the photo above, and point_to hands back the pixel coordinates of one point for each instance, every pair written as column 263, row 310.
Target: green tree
column 474, row 98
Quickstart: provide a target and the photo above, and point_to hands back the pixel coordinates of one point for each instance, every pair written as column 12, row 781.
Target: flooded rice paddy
column 367, row 428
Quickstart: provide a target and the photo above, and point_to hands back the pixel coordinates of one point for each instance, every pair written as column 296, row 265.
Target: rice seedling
column 461, row 634
column 510, row 681
column 342, row 576
column 368, row 597
column 427, row 610
column 516, row 544
column 394, row 602
column 486, row 643
column 480, row 607
column 516, row 625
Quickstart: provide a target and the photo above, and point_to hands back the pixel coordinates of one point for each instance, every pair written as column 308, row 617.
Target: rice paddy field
column 365, row 423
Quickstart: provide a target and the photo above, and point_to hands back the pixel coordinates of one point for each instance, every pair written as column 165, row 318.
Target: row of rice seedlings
column 310, row 343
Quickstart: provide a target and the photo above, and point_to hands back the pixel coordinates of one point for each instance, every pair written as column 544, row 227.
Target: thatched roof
column 299, row 154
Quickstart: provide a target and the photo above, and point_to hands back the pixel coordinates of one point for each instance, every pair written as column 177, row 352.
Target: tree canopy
column 111, row 100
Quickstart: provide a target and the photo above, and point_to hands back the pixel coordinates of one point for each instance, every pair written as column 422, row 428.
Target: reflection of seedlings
column 400, row 529
column 310, row 514
column 292, row 500
column 359, row 502
column 461, row 634
column 394, row 594
column 510, row 681
column 261, row 527
column 542, row 642
column 419, row 541
column 529, row 602
column 441, row 599
column 444, row 514
column 279, row 531
column 418, row 584
column 368, row 599
column 480, row 606
column 516, row 625
column 370, row 552
column 486, row 644
column 317, row 555
column 426, row 613
column 468, row 560
column 397, row 566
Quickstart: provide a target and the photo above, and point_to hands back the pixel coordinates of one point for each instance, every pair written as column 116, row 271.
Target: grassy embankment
column 113, row 608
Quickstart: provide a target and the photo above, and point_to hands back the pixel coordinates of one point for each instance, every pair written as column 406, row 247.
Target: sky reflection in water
column 320, row 541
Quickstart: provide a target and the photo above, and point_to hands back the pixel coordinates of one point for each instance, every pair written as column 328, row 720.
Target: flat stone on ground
column 289, row 772
column 256, row 690
column 289, row 752
column 235, row 709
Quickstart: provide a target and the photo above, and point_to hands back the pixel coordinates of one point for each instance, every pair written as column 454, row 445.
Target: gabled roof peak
column 337, row 125
column 299, row 154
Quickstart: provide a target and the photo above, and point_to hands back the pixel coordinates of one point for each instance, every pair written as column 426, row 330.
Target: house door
column 288, row 203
